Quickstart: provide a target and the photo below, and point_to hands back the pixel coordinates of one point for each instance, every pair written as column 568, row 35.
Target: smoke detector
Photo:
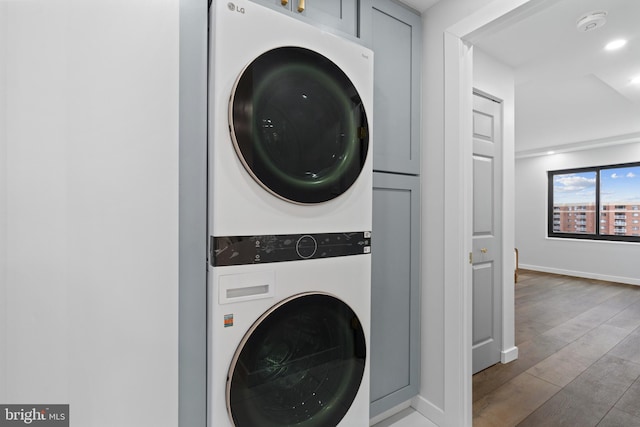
column 592, row 20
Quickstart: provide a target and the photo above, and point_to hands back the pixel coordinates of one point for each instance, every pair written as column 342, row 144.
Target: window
column 604, row 195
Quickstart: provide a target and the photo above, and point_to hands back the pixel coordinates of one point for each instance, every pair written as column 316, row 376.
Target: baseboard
column 428, row 410
column 509, row 355
column 390, row 412
column 582, row 274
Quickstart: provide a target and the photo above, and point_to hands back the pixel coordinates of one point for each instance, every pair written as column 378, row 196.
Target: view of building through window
column 602, row 201
column 574, row 202
column 620, row 201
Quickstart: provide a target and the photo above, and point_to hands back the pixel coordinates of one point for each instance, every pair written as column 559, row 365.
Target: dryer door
column 300, row 364
column 299, row 125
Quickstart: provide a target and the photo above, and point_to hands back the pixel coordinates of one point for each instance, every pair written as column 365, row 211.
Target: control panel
column 242, row 250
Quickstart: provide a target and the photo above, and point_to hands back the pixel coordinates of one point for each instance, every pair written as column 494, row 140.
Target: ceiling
column 569, row 90
column 420, row 5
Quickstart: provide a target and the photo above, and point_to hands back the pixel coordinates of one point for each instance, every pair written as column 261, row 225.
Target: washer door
column 300, row 364
column 299, row 125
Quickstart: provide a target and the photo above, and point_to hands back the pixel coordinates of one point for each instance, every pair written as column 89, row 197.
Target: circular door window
column 299, row 125
column 300, row 364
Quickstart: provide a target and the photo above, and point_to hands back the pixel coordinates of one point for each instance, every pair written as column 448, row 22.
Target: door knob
column 284, row 2
column 483, row 250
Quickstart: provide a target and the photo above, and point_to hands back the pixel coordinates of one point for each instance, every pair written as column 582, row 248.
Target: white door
column 487, row 250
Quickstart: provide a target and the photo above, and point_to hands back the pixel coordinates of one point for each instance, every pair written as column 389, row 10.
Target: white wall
column 3, row 200
column 89, row 204
column 614, row 261
column 496, row 79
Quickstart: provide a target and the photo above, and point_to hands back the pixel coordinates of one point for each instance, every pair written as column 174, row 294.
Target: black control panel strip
column 242, row 250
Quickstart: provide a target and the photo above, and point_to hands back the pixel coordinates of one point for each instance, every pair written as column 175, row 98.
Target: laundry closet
column 291, row 155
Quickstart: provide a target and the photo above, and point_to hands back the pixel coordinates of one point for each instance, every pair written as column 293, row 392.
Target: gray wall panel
column 192, row 213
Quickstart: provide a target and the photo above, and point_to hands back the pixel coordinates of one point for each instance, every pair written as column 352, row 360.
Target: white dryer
column 290, row 110
column 290, row 189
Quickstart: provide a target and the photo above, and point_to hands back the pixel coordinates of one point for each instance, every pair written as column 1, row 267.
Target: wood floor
column 579, row 357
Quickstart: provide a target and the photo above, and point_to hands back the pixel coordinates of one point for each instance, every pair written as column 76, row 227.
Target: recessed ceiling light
column 635, row 80
column 616, row 44
column 551, row 152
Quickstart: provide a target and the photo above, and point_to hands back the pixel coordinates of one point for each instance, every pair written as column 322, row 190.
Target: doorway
column 458, row 197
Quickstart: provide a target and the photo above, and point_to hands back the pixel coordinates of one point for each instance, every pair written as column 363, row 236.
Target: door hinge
column 470, row 257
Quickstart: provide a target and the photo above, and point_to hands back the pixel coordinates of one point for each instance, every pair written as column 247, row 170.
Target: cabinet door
column 395, row 296
column 341, row 15
column 394, row 33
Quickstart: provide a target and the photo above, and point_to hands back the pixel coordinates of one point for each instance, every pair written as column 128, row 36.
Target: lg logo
column 232, row 7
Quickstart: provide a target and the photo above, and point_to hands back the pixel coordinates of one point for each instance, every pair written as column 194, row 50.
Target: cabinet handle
column 300, row 6
column 284, row 2
column 483, row 250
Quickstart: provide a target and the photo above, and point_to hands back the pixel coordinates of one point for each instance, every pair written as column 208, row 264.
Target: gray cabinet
column 395, row 291
column 394, row 33
column 341, row 15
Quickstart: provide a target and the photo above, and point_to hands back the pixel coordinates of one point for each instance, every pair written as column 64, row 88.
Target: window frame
column 598, row 206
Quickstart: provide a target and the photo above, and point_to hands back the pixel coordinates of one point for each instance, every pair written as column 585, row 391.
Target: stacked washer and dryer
column 290, row 192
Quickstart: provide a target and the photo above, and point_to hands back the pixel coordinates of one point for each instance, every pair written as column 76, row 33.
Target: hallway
column 579, row 357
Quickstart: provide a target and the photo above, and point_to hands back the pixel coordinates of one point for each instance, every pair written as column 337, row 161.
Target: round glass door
column 300, row 364
column 299, row 125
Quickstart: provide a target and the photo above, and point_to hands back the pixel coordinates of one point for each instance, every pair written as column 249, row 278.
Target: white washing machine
column 290, row 189
column 289, row 344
